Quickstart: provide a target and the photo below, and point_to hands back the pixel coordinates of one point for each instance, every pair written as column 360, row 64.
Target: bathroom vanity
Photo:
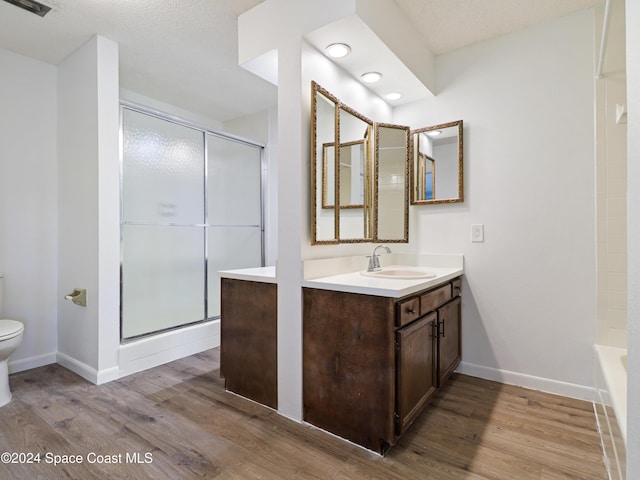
column 372, row 361
column 376, row 346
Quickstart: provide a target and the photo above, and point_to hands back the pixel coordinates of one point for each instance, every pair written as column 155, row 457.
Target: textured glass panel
column 162, row 278
column 234, row 182
column 230, row 248
column 163, row 171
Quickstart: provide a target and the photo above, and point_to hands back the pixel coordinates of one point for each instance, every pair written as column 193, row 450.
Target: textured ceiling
column 184, row 52
column 447, row 25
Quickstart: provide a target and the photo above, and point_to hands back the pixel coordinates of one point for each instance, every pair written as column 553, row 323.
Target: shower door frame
column 127, row 105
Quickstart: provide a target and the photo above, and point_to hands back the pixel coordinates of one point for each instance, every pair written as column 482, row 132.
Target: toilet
column 10, row 337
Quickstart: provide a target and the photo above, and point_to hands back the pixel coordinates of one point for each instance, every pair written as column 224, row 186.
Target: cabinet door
column 449, row 347
column 249, row 343
column 348, row 369
column 416, row 369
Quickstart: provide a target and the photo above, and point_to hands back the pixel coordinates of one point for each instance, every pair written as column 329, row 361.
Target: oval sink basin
column 401, row 273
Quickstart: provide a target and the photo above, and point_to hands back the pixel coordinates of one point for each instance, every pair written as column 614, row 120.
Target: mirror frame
column 315, row 89
column 460, row 198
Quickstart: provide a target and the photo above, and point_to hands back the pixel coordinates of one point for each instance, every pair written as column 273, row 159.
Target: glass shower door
column 163, row 225
column 234, row 211
column 191, row 206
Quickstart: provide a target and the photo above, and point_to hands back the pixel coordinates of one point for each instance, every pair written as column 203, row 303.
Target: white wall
column 88, row 209
column 529, row 297
column 169, row 110
column 28, row 199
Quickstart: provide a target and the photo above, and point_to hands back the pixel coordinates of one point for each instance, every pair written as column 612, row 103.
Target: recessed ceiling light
column 338, row 50
column 31, row 6
column 434, row 133
column 371, row 77
column 393, row 96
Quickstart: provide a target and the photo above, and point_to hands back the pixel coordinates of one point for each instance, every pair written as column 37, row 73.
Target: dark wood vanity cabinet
column 449, row 341
column 371, row 364
column 248, row 334
column 416, row 369
column 428, row 345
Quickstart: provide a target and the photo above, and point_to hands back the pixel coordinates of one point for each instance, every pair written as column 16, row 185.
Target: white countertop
column 258, row 274
column 355, row 282
column 342, row 274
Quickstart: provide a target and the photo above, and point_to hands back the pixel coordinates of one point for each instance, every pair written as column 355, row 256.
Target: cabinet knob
column 412, row 310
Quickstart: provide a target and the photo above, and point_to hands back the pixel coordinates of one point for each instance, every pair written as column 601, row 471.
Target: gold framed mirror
column 437, row 164
column 349, row 189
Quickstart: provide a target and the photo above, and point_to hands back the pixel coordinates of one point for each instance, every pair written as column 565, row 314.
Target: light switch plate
column 477, row 233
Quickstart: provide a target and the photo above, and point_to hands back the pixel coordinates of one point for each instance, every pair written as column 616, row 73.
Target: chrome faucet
column 374, row 262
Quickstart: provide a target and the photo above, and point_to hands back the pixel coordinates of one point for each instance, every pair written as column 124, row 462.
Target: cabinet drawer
column 456, row 287
column 408, row 311
column 433, row 299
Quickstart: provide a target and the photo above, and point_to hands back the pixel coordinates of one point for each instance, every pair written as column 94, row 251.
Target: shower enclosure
column 191, row 205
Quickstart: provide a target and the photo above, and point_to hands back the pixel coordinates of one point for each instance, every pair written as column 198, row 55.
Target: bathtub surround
column 611, row 181
column 633, row 236
column 610, row 376
column 610, row 403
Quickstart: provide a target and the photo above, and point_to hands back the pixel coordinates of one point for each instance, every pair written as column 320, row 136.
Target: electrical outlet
column 477, row 233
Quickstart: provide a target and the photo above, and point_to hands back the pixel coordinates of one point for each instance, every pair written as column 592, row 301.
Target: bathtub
column 610, row 404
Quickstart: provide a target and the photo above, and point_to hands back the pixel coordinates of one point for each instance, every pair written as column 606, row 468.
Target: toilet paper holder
column 78, row 296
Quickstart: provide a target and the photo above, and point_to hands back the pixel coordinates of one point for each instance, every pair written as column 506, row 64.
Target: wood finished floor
column 193, row 429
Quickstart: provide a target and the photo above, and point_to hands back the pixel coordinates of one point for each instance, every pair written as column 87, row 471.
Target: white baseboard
column 556, row 387
column 135, row 356
column 76, row 366
column 28, row 363
column 85, row 371
column 107, row 375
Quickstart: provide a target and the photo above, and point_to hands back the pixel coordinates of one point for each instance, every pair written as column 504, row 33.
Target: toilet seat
column 10, row 329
